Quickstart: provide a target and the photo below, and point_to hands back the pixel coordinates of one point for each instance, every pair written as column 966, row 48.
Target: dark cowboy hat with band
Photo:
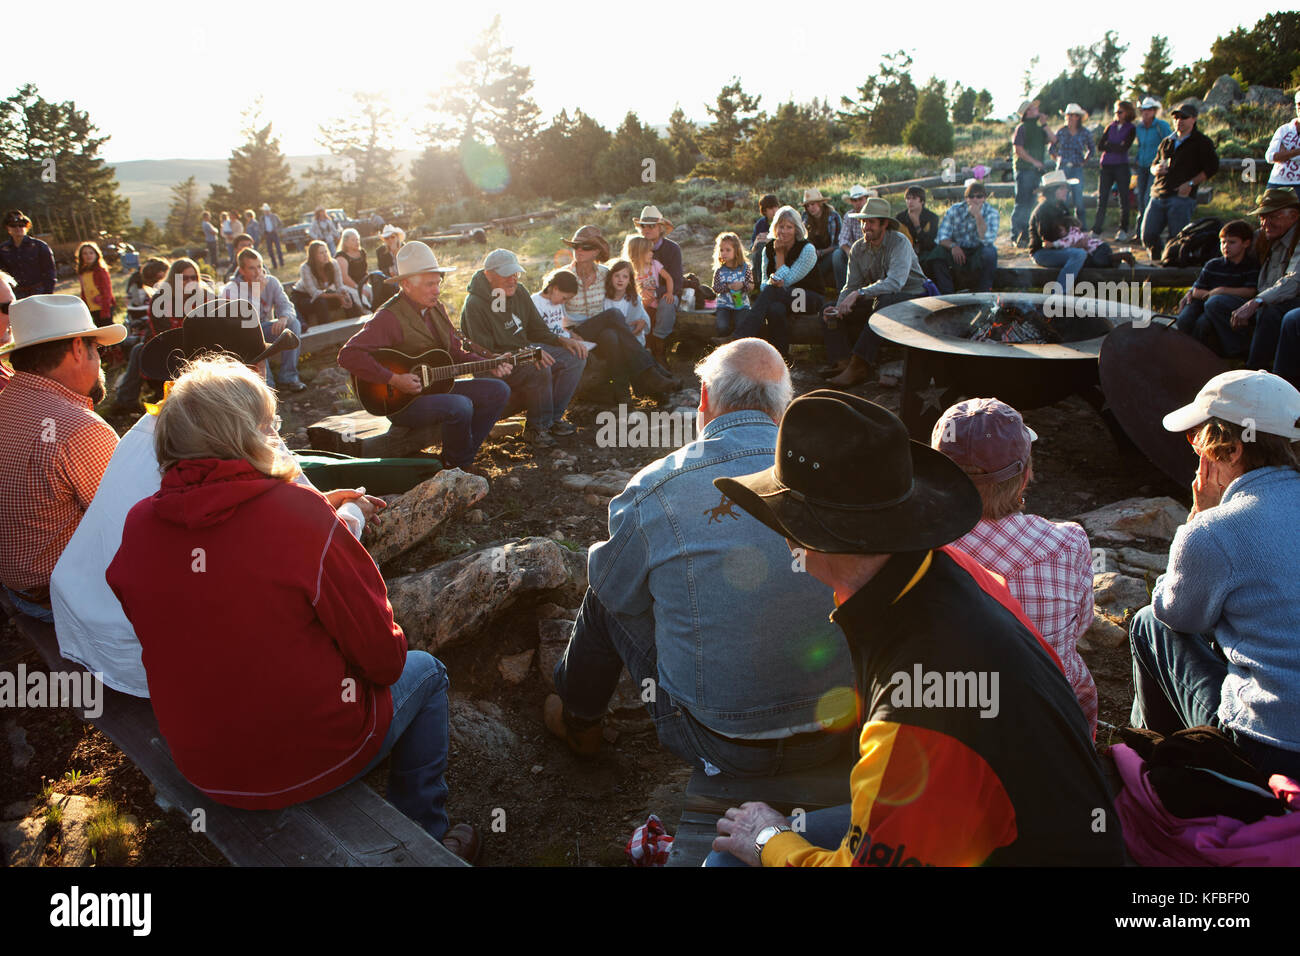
column 223, row 325
column 848, row 480
column 589, row 237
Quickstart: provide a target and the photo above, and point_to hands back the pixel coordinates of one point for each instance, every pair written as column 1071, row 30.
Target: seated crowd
column 868, row 564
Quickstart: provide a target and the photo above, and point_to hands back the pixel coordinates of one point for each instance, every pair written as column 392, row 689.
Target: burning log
column 1013, row 324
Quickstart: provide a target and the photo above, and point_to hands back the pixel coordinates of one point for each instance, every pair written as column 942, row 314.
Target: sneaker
column 537, row 436
column 1121, row 236
column 561, row 427
column 292, row 387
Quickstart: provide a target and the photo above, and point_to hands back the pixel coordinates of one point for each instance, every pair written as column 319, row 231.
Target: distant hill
column 147, row 182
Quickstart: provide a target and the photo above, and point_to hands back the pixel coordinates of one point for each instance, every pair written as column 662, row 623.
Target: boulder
column 22, row 842
column 417, row 514
column 332, row 377
column 479, row 728
column 1102, row 632
column 20, row 750
column 553, row 637
column 514, row 667
column 1268, row 96
column 1119, row 592
column 1223, row 94
column 610, row 482
column 1143, row 561
column 1132, row 518
column 575, row 563
column 457, row 600
column 74, row 845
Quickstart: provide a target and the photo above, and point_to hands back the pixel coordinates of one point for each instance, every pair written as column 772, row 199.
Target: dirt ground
column 558, row 810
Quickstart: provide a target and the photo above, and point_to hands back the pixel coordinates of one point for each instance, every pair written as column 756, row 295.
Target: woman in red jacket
column 96, row 283
column 272, row 683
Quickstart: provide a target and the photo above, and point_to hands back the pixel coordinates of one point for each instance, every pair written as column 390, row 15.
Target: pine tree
column 929, row 131
column 363, row 140
column 259, row 172
column 1155, row 78
column 565, row 155
column 50, row 168
column 437, row 178
column 734, row 117
column 983, row 104
column 635, row 156
column 885, row 103
column 684, row 140
column 963, row 106
column 182, row 225
column 794, row 137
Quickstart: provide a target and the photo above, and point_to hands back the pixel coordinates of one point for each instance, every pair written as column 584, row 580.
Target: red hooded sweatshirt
column 268, row 640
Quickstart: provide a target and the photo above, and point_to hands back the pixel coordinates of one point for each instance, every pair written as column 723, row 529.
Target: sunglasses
column 587, row 246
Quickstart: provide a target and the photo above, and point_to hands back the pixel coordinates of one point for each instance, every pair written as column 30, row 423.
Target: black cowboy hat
column 220, row 325
column 848, row 480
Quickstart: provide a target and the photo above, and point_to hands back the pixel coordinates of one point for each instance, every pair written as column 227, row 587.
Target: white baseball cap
column 1268, row 402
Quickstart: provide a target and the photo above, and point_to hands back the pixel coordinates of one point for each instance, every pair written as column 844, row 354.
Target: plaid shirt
column 959, row 225
column 851, row 231
column 1048, row 569
column 1072, row 148
column 53, row 451
column 590, row 300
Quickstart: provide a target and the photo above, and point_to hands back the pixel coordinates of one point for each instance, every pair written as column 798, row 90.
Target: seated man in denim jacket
column 714, row 618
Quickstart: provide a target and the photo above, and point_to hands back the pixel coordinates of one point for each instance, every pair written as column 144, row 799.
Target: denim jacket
column 744, row 640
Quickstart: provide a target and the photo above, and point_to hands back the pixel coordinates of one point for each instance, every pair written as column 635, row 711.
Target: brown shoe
column 462, row 840
column 584, row 743
column 859, row 371
column 838, row 368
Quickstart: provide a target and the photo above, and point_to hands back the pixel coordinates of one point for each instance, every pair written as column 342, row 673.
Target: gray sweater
column 890, row 267
column 1232, row 575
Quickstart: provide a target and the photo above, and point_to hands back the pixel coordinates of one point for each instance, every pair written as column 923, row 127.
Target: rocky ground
column 499, row 635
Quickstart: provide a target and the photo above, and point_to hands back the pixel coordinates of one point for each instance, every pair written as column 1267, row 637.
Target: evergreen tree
column 963, row 106
column 322, row 186
column 363, row 140
column 182, row 225
column 789, row 140
column 437, row 178
column 565, row 155
column 683, row 140
column 1155, row 78
column 50, row 168
column 929, row 130
column 147, row 234
column 734, row 117
column 623, row 164
column 983, row 104
column 259, row 172
column 885, row 102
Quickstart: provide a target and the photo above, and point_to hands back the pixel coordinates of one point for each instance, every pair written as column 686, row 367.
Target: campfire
column 1015, row 324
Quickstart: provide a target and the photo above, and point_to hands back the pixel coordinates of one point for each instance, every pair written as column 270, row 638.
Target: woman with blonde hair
column 354, row 268
column 789, row 282
column 290, row 684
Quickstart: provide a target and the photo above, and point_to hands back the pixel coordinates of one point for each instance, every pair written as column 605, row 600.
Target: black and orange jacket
column 937, row 784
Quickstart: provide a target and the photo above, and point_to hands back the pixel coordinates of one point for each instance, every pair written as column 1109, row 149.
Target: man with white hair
column 724, row 633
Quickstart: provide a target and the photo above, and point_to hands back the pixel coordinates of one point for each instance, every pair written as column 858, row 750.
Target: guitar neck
column 467, row 368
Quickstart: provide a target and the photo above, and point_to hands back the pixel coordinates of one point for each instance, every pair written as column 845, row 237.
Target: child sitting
column 732, row 278
column 649, row 271
column 1099, row 254
column 1230, row 280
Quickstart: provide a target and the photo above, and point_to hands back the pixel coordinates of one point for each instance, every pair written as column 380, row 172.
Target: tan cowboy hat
column 415, row 258
column 1025, row 105
column 48, row 318
column 1275, row 200
column 814, row 195
column 651, row 216
column 1056, row 178
column 391, row 230
column 591, row 235
column 876, row 208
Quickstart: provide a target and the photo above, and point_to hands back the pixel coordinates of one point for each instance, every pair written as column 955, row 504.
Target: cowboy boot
column 835, row 368
column 658, row 350
column 584, row 741
column 859, row 371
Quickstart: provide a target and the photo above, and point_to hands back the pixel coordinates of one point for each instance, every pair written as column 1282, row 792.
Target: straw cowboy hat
column 1275, row 200
column 813, row 195
column 651, row 216
column 415, row 258
column 391, row 230
column 876, row 208
column 1150, row 103
column 48, row 318
column 859, row 192
column 591, row 236
column 1025, row 105
column 848, row 480
column 1056, row 178
column 219, row 325
column 1076, row 108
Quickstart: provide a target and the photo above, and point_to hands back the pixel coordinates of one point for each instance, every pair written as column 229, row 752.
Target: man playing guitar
column 414, row 321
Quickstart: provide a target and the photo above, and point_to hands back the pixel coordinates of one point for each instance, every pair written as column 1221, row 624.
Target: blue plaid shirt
column 959, row 225
column 1072, row 148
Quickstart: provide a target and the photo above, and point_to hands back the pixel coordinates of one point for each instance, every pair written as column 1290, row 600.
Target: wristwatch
column 766, row 834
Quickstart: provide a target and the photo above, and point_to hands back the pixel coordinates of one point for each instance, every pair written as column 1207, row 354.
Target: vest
column 1035, row 144
column 811, row 281
column 416, row 337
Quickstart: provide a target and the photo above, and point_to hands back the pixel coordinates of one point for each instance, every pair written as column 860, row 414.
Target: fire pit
column 954, row 349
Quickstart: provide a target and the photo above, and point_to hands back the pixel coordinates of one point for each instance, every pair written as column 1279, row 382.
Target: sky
column 604, row 58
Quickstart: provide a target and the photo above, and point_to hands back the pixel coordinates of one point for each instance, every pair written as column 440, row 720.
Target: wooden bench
column 317, row 337
column 363, row 435
column 1023, row 273
column 352, row 826
column 708, row 798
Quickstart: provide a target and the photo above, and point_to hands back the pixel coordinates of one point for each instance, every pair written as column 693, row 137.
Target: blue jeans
column 466, row 413
column 824, row 828
column 866, row 343
column 212, row 254
column 724, row 319
column 1026, row 198
column 417, row 740
column 773, row 307
column 1216, row 317
column 546, row 391
column 665, row 318
column 1143, row 188
column 1286, row 363
column 274, row 254
column 128, row 387
column 1177, row 682
column 979, row 268
column 602, row 644
column 617, row 347
column 1069, row 261
column 288, row 373
column 1172, row 211
column 1268, row 333
column 1076, row 191
column 840, row 262
column 37, row 611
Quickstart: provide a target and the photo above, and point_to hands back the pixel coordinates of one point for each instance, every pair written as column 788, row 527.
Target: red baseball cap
column 987, row 435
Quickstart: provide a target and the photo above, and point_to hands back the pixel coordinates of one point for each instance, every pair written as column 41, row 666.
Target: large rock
column 610, row 482
column 1119, row 592
column 332, row 377
column 480, row 728
column 22, row 842
column 417, row 514
column 457, row 600
column 575, row 562
column 553, row 638
column 514, row 667
column 1143, row 561
column 1268, row 96
column 1223, row 94
column 1132, row 518
column 1102, row 632
column 74, row 846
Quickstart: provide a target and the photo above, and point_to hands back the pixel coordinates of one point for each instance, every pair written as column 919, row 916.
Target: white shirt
column 552, row 314
column 1286, row 173
column 88, row 620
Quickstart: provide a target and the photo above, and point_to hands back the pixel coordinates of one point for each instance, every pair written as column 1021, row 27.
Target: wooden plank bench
column 363, row 435
column 708, row 798
column 317, row 337
column 352, row 826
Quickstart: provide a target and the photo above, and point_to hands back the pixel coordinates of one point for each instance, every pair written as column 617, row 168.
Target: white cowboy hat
column 859, row 192
column 1149, row 104
column 266, row 207
column 651, row 216
column 1075, row 108
column 415, row 258
column 1056, row 177
column 391, row 230
column 48, row 318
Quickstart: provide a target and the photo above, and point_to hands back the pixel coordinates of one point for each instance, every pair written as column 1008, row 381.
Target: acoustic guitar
column 433, row 368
